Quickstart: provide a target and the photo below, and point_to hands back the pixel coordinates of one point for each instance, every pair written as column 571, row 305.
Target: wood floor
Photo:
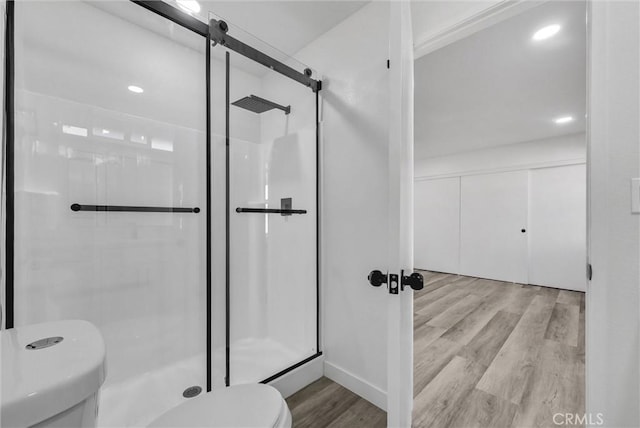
column 496, row 354
column 324, row 403
column 487, row 354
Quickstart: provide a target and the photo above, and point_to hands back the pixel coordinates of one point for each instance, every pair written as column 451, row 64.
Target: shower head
column 259, row 105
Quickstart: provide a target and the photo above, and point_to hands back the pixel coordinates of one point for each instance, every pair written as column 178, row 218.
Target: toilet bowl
column 252, row 405
column 51, row 375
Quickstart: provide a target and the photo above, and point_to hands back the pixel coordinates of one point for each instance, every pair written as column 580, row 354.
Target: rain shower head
column 259, row 105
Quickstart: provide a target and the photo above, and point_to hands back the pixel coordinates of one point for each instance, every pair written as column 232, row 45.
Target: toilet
column 51, row 375
column 251, row 405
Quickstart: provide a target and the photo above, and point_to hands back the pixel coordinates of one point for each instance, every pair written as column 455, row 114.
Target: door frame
column 485, row 19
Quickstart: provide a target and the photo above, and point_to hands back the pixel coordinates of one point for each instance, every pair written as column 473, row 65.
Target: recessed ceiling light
column 191, row 6
column 135, row 89
column 546, row 32
column 564, row 119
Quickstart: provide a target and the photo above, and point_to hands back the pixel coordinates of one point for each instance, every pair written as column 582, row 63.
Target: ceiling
column 287, row 25
column 498, row 86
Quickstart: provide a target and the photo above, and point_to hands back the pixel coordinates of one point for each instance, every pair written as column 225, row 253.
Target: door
column 265, row 142
column 493, row 226
column 400, row 227
column 557, row 239
column 437, row 224
column 110, row 200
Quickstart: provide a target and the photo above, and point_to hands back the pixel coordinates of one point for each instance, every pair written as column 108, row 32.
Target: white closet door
column 558, row 201
column 493, row 224
column 437, row 224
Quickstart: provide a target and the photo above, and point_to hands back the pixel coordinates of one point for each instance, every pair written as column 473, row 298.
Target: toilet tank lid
column 40, row 383
column 251, row 405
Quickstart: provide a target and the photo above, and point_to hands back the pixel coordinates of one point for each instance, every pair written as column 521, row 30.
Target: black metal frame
column 10, row 180
column 227, row 222
column 218, row 30
column 184, row 20
column 292, row 368
column 209, row 294
column 172, row 14
column 316, row 88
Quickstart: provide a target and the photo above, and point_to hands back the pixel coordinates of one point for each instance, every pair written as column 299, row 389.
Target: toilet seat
column 253, row 405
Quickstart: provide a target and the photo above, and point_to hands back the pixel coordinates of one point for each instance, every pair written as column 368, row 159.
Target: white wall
column 565, row 150
column 354, row 143
column 613, row 296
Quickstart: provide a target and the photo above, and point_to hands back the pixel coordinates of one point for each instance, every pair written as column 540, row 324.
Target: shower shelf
column 124, row 208
column 269, row 211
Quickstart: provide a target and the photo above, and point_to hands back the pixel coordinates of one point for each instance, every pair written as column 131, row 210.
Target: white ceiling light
column 135, row 89
column 564, row 119
column 191, row 6
column 546, row 32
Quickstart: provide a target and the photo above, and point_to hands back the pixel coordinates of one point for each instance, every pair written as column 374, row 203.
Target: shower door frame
column 189, row 22
column 230, row 43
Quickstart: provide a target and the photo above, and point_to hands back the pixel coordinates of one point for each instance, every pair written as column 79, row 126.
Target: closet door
column 437, row 224
column 493, row 226
column 558, row 227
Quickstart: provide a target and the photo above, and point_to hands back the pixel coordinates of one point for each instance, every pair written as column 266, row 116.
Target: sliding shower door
column 110, row 192
column 264, row 127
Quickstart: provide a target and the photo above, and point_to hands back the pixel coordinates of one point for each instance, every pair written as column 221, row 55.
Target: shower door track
column 171, row 13
column 219, row 36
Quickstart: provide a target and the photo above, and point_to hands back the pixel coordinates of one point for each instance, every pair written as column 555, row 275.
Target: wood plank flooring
column 487, row 354
column 513, row 357
column 324, row 403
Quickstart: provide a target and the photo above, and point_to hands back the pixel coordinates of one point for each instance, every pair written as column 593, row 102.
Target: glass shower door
column 268, row 138
column 110, row 192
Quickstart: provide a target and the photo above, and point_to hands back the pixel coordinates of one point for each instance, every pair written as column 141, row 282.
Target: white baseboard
column 357, row 385
column 300, row 377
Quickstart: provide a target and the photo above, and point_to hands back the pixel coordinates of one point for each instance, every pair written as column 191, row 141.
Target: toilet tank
column 51, row 374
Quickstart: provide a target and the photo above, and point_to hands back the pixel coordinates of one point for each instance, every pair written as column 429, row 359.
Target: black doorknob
column 377, row 278
column 415, row 281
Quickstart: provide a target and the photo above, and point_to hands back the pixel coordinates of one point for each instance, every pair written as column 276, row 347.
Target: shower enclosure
column 162, row 183
column 266, row 127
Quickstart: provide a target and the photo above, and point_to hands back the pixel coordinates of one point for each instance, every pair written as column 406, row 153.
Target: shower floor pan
column 138, row 400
